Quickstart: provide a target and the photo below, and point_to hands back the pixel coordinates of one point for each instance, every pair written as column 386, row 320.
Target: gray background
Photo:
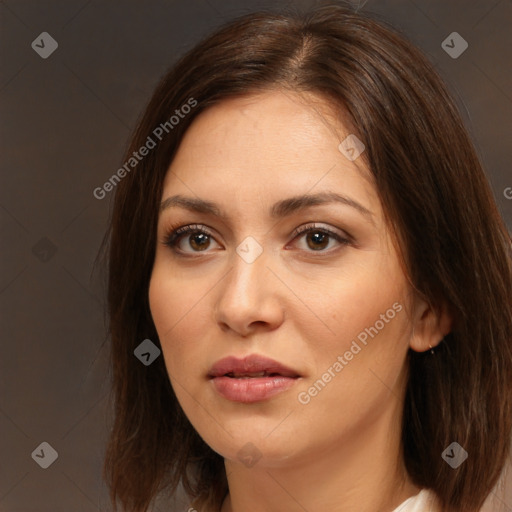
column 65, row 121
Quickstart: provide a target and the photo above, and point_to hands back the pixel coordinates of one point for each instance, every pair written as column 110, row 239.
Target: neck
column 363, row 474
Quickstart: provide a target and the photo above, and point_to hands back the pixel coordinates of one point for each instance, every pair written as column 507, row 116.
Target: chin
column 250, row 447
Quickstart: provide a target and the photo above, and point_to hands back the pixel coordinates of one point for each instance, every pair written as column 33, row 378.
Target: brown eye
column 189, row 239
column 199, row 241
column 317, row 240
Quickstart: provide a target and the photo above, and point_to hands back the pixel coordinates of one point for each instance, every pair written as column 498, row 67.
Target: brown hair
column 454, row 244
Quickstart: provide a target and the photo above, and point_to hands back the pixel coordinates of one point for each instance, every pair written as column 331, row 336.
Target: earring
column 431, row 349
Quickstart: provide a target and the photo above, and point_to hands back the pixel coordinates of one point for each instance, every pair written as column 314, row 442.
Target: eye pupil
column 317, row 238
column 203, row 243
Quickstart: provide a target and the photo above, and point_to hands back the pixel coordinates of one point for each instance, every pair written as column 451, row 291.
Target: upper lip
column 253, row 363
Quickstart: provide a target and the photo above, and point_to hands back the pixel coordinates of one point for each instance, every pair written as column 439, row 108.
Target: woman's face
column 328, row 306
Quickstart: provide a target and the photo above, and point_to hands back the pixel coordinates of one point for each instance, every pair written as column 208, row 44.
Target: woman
column 307, row 235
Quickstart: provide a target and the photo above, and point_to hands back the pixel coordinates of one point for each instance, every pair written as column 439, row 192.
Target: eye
column 317, row 239
column 199, row 239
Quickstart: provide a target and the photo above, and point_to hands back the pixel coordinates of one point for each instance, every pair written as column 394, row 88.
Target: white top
column 422, row 502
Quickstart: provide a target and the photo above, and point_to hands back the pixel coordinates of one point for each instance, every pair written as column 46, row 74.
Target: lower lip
column 253, row 389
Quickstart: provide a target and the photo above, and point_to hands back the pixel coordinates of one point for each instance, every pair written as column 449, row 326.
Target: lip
column 246, row 389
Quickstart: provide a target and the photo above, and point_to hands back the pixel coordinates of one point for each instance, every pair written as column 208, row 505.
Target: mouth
column 252, row 375
column 252, row 366
column 251, row 379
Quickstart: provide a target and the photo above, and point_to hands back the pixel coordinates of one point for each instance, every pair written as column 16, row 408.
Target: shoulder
column 424, row 501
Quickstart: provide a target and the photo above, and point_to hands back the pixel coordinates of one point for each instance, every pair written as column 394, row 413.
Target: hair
column 453, row 244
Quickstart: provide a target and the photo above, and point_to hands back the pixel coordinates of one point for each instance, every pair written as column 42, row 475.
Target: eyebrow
column 279, row 210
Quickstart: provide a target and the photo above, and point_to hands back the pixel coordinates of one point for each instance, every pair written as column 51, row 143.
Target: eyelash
column 174, row 235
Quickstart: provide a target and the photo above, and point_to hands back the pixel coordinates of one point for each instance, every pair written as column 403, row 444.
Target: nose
column 250, row 298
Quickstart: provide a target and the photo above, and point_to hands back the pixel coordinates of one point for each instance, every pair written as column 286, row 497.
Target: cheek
column 357, row 371
column 345, row 303
column 364, row 323
column 178, row 312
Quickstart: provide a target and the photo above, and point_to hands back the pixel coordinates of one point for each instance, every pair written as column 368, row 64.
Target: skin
column 300, row 306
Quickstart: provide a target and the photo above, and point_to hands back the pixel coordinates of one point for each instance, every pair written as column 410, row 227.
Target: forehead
column 267, row 145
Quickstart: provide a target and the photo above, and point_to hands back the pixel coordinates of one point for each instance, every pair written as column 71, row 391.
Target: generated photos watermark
column 151, row 142
column 304, row 397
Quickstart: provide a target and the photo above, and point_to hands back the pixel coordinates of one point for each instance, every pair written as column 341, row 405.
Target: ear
column 430, row 325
